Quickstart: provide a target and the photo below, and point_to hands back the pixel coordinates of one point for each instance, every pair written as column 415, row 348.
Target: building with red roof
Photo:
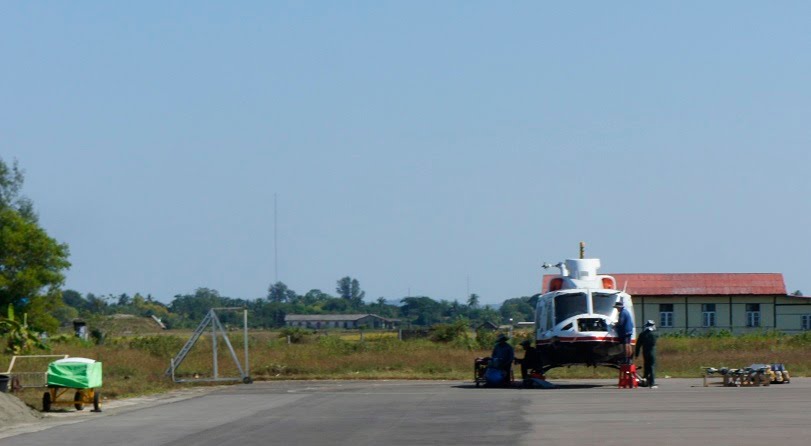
column 736, row 302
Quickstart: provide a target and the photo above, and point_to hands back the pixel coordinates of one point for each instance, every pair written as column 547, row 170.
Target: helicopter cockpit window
column 603, row 303
column 568, row 305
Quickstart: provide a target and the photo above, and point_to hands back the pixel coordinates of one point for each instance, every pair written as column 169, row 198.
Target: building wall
column 695, row 315
column 789, row 315
column 739, row 313
column 776, row 312
column 368, row 321
column 647, row 307
column 373, row 322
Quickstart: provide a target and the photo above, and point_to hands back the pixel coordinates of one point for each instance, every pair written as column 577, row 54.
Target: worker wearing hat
column 625, row 329
column 647, row 345
column 502, row 356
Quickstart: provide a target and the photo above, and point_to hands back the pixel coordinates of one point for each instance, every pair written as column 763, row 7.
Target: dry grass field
column 136, row 365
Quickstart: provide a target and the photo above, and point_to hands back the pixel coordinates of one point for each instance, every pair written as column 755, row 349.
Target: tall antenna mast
column 275, row 244
column 582, row 250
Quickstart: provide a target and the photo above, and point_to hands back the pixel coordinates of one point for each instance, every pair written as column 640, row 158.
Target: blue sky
column 422, row 147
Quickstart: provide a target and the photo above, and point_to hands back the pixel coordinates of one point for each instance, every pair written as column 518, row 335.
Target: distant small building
column 345, row 321
column 80, row 329
column 487, row 325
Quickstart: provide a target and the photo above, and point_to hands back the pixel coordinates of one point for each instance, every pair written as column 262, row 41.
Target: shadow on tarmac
column 518, row 386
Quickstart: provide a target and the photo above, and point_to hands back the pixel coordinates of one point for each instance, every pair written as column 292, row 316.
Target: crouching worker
column 531, row 359
column 502, row 358
column 647, row 345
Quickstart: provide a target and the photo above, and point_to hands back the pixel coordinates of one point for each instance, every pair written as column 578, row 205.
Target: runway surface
column 680, row 412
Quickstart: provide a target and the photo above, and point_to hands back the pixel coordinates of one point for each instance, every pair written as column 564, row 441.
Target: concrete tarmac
column 679, row 412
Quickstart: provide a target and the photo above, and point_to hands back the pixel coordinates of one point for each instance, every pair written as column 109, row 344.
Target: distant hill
column 124, row 324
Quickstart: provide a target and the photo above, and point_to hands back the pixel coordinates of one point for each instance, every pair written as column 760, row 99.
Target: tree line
column 187, row 310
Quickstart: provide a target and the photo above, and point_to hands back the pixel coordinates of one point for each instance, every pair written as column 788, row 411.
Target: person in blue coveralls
column 625, row 329
column 502, row 356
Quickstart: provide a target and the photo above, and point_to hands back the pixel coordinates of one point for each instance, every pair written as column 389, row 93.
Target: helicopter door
column 539, row 318
column 549, row 320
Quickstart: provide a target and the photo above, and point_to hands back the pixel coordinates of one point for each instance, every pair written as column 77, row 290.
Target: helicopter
column 575, row 318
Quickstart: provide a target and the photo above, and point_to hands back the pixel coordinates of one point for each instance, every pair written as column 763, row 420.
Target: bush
column 337, row 346
column 450, row 332
column 485, row 338
column 297, row 334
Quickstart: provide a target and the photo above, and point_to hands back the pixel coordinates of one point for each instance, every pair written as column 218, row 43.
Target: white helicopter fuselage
column 575, row 320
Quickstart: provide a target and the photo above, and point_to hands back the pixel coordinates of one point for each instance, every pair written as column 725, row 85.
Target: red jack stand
column 628, row 377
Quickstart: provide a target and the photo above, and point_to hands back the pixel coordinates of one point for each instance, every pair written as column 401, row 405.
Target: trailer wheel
column 96, row 401
column 46, row 402
column 77, row 400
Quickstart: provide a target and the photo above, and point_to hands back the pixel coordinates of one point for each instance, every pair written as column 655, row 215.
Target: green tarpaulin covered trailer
column 74, row 374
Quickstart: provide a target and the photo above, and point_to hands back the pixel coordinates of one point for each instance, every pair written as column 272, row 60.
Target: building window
column 665, row 315
column 753, row 315
column 708, row 314
column 806, row 321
